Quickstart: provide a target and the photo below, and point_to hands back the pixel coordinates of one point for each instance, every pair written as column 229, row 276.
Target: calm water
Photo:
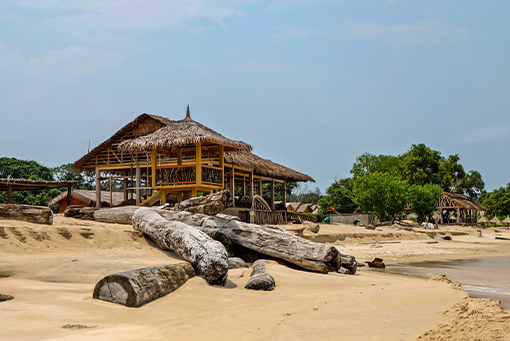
column 481, row 278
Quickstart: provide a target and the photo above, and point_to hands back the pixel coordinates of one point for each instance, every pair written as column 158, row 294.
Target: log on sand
column 301, row 252
column 207, row 256
column 209, row 204
column 136, row 287
column 32, row 214
column 259, row 279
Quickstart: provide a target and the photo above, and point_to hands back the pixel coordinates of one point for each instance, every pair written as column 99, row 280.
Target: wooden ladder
column 151, row 200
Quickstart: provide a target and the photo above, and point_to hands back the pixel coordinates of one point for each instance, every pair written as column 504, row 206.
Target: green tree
column 381, row 194
column 420, row 165
column 423, row 199
column 472, row 185
column 301, row 193
column 340, row 196
column 369, row 163
column 65, row 172
column 497, row 202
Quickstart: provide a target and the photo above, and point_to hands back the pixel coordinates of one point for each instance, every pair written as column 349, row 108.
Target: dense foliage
column 382, row 194
column 422, row 165
column 21, row 169
column 340, row 196
column 423, row 199
column 497, row 202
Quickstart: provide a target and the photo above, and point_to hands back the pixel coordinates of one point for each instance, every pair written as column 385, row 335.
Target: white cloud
column 36, row 76
column 129, row 14
column 292, row 33
column 486, row 134
column 427, row 32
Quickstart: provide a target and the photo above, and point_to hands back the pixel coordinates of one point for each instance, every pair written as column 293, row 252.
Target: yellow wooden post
column 194, row 193
column 222, row 161
column 154, row 159
column 163, row 197
column 179, row 156
column 179, row 197
column 198, row 158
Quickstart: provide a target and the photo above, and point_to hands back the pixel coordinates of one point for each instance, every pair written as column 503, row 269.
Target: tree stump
column 259, row 279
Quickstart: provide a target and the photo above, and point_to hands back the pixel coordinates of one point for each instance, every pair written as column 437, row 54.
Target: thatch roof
column 464, row 202
column 305, row 208
column 265, row 167
column 483, row 220
column 25, row 184
column 294, row 205
column 89, row 197
column 179, row 134
column 506, row 220
column 116, row 138
column 495, row 220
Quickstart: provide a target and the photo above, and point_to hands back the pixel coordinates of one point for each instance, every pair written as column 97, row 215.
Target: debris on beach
column 376, row 263
column 502, row 238
column 4, row 298
column 440, row 278
column 259, row 278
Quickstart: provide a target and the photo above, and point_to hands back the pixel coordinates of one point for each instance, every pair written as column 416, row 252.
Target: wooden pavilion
column 10, row 185
column 158, row 156
column 465, row 208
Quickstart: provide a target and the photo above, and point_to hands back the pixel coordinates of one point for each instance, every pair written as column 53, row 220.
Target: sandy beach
column 51, row 271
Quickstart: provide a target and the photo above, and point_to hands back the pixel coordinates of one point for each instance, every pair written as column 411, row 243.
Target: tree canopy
column 423, row 199
column 340, row 196
column 497, row 202
column 382, row 194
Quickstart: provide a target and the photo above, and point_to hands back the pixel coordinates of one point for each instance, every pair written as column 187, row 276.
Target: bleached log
column 209, row 204
column 116, row 215
column 307, row 254
column 136, row 287
column 208, row 256
column 29, row 213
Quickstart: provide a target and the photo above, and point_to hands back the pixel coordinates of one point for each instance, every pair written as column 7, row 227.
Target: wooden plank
column 9, row 194
column 69, row 196
column 154, row 159
column 198, row 169
column 272, row 195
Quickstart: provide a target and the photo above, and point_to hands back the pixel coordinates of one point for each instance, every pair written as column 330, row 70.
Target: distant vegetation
column 383, row 184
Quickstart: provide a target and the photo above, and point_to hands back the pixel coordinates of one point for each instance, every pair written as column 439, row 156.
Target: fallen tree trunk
column 79, row 212
column 32, row 214
column 208, row 256
column 136, row 287
column 209, row 204
column 116, row 215
column 304, row 253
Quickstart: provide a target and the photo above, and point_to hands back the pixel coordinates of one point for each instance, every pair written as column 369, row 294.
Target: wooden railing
column 212, row 175
column 186, row 174
column 176, row 175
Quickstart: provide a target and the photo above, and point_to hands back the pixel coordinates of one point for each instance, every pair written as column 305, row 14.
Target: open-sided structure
column 465, row 208
column 86, row 198
column 162, row 156
column 11, row 185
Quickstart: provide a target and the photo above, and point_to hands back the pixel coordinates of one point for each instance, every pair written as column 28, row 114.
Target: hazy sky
column 310, row 84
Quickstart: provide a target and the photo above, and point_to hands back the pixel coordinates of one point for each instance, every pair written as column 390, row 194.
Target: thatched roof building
column 162, row 156
column 464, row 206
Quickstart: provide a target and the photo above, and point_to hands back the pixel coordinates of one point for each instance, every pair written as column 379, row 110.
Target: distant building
column 86, row 198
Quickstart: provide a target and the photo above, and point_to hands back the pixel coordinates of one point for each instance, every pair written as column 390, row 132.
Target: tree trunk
column 116, row 215
column 208, row 256
column 32, row 214
column 209, row 204
column 79, row 212
column 136, row 287
column 309, row 255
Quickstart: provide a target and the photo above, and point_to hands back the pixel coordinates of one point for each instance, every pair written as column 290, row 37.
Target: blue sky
column 309, row 84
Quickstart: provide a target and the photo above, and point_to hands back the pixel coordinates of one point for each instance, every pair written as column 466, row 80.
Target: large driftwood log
column 304, row 253
column 137, row 287
column 210, row 204
column 208, row 256
column 116, row 215
column 32, row 214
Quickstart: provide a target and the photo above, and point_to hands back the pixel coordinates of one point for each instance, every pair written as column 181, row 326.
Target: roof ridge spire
column 187, row 113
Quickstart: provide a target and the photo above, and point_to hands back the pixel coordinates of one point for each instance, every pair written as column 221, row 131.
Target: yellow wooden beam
column 154, row 159
column 198, row 168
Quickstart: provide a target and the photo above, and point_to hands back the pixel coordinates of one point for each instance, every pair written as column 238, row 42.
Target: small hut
column 495, row 220
column 86, row 198
column 465, row 208
column 293, row 206
column 483, row 220
column 305, row 208
column 506, row 221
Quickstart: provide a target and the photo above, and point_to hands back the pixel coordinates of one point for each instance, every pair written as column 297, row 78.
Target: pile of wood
column 29, row 213
column 207, row 241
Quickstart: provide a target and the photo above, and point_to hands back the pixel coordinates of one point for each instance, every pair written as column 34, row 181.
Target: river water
column 480, row 278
